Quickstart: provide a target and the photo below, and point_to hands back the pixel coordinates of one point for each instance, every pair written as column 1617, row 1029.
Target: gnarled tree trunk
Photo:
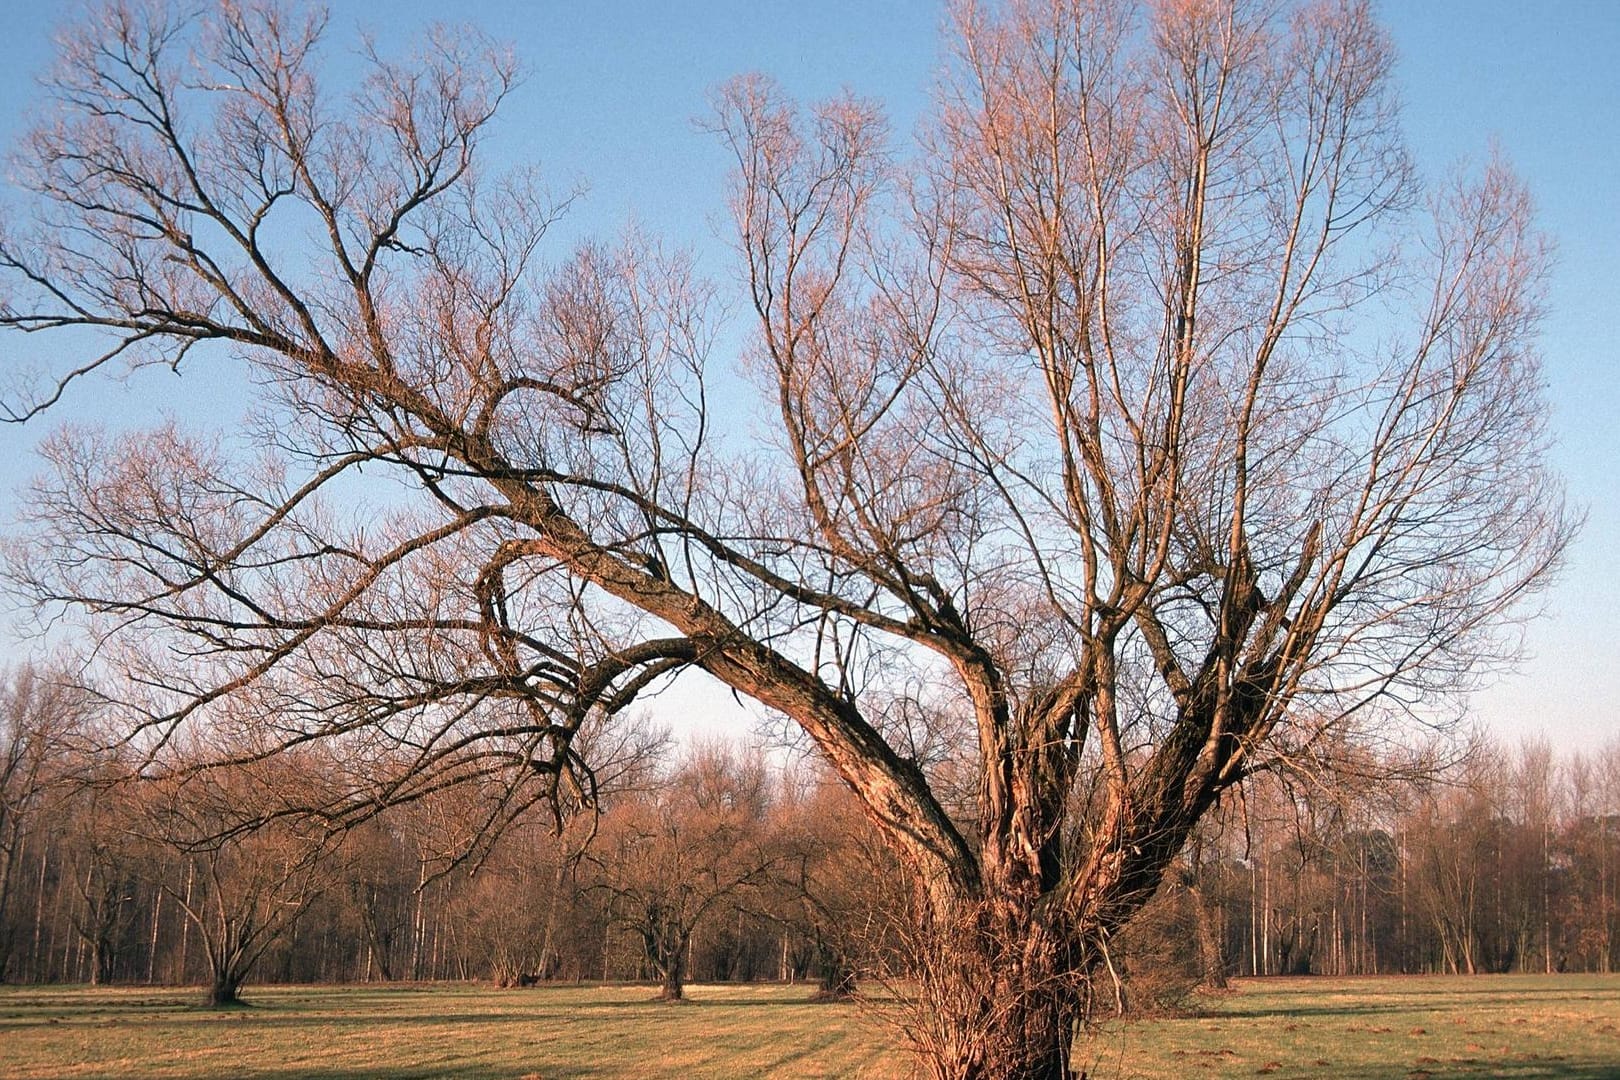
column 835, row 975
column 224, row 989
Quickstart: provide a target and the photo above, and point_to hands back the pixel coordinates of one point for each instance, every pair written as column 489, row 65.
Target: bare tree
column 1153, row 415
column 837, row 892
column 102, row 870
column 1209, row 917
column 672, row 857
column 379, row 889
column 1606, row 825
column 256, row 869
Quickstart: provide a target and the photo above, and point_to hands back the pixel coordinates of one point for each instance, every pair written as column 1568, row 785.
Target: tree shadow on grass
column 653, row 1003
column 1257, row 1011
column 1237, row 1009
column 1446, row 1070
column 261, row 1017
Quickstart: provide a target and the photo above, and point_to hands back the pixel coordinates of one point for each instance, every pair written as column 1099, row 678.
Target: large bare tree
column 1150, row 415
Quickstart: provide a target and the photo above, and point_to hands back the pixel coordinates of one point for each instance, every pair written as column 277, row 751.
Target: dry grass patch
column 1387, row 1028
column 1526, row 1028
column 458, row 1031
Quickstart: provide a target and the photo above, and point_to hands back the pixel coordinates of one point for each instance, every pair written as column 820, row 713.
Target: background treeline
column 1501, row 861
column 720, row 863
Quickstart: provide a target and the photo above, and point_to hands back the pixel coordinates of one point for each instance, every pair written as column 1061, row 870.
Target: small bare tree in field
column 254, row 869
column 837, row 890
column 1151, row 414
column 671, row 858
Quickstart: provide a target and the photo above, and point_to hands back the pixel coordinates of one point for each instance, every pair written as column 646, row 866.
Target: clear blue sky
column 613, row 93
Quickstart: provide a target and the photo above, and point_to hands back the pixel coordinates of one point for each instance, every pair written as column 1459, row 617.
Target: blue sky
column 614, row 92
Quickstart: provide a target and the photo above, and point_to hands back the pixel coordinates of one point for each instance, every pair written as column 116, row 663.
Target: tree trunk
column 1002, row 990
column 106, row 957
column 1211, row 925
column 836, row 974
column 673, row 986
column 549, row 960
column 1209, row 918
column 378, row 943
column 12, row 846
column 185, row 924
column 669, row 949
column 223, row 990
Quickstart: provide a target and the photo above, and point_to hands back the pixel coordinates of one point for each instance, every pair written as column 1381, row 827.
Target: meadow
column 1385, row 1028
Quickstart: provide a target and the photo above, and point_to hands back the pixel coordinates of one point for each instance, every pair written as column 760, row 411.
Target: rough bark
column 1207, row 916
column 1001, row 994
column 224, row 990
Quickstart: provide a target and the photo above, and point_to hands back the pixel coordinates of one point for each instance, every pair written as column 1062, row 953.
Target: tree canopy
column 1149, row 422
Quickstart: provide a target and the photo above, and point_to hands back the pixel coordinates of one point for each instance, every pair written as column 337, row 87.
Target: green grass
column 1530, row 1028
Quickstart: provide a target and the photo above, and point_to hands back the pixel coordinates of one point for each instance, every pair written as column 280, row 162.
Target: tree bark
column 223, row 991
column 1211, row 938
column 1002, row 993
column 673, row 986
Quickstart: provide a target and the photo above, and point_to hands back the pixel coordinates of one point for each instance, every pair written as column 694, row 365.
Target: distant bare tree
column 102, row 871
column 379, row 889
column 1153, row 415
column 254, row 869
column 837, row 888
column 670, row 858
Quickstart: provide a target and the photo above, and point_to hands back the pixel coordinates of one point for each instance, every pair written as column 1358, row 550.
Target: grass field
column 1389, row 1028
column 1367, row 1029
